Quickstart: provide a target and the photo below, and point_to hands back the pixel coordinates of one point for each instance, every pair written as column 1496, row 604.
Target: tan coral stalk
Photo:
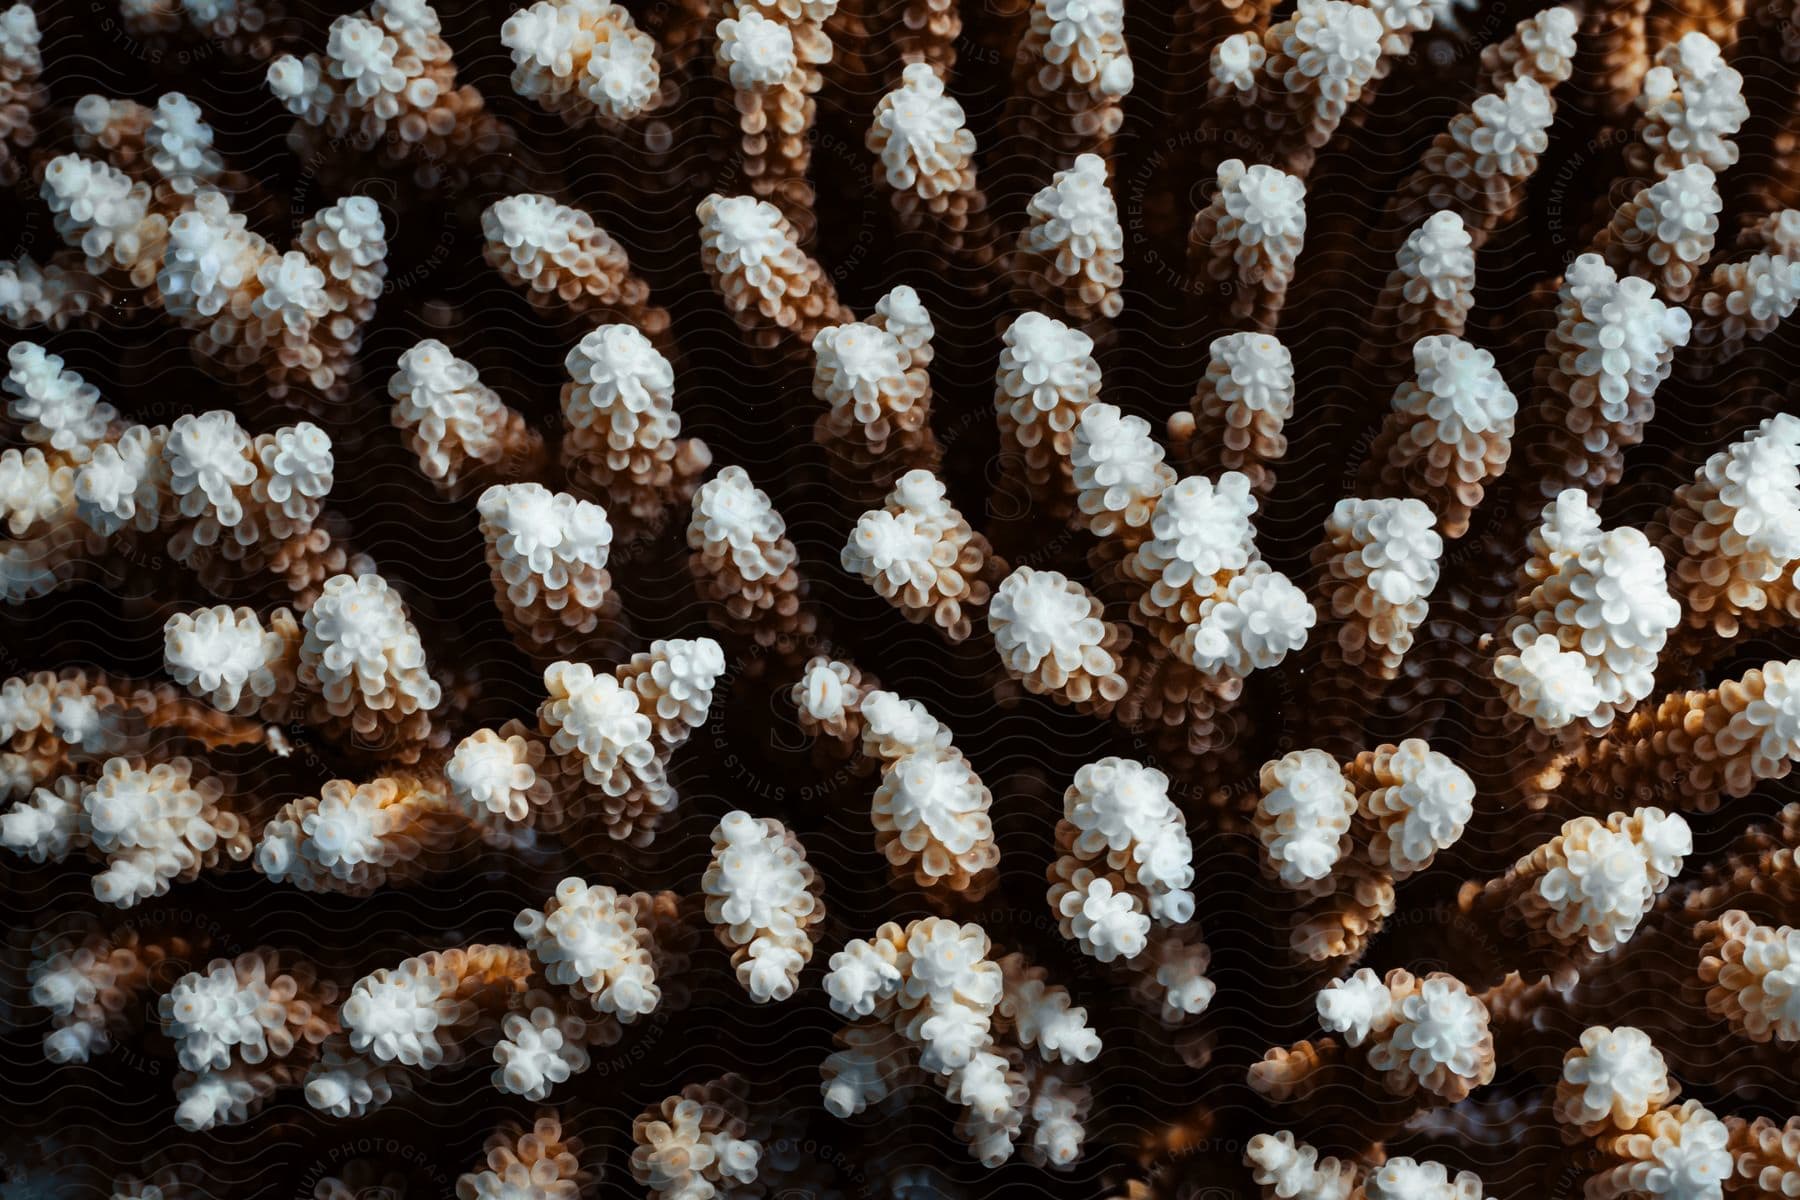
column 1046, row 376
column 1541, row 47
column 1584, row 892
column 1432, row 286
column 1690, row 108
column 1054, row 639
column 1379, row 565
column 1071, row 252
column 547, row 555
column 1616, row 53
column 365, row 665
column 1596, row 405
column 1316, row 66
column 925, row 156
column 696, row 1142
column 1073, row 62
column 1481, row 165
column 1733, row 534
column 355, row 838
column 744, row 564
column 877, row 425
column 1235, row 419
column 457, row 427
column 1448, row 435
column 920, row 555
column 828, row 702
column 1765, row 1157
column 1697, row 747
column 771, row 60
column 543, row 1158
column 1740, row 303
column 775, row 293
column 566, row 264
column 1246, row 239
column 388, row 80
column 623, row 446
column 1750, row 973
column 1665, row 232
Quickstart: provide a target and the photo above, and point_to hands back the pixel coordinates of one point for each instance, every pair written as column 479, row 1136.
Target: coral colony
column 900, row 599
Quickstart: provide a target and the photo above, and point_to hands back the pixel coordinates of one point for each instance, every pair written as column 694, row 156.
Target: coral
column 457, row 426
column 1235, row 419
column 1286, row 1169
column 21, row 94
column 565, row 263
column 1697, row 747
column 1183, row 600
column 1380, row 563
column 1046, row 376
column 1053, row 639
column 1665, row 232
column 388, row 81
column 1690, row 106
column 931, row 819
column 921, row 556
column 1248, row 238
column 1428, row 1034
column 257, row 315
column 1119, row 474
column 772, row 58
column 1611, row 1081
column 365, row 663
column 1748, row 970
column 1073, row 61
column 623, row 445
column 541, row 1161
column 89, row 985
column 695, row 1143
column 744, row 564
column 1583, row 643
column 773, row 291
column 763, row 899
column 1072, row 248
column 1449, row 433
column 1585, row 891
column 1480, row 165
column 585, row 59
column 548, row 554
column 925, row 157
column 873, row 378
column 247, row 1010
column 1303, row 817
column 1311, row 69
column 1734, row 532
column 928, row 997
column 1340, row 835
column 1613, row 345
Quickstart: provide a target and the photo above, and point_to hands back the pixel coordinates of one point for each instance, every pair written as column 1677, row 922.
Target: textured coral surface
column 900, row 598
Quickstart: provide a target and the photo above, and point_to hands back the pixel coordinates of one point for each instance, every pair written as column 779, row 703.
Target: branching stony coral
column 388, row 80
column 933, row 984
column 458, row 427
column 762, row 896
column 1379, row 532
column 586, row 60
column 925, row 156
column 873, row 377
column 921, row 555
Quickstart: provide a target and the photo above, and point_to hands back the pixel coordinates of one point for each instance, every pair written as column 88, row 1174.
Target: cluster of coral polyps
column 900, row 598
